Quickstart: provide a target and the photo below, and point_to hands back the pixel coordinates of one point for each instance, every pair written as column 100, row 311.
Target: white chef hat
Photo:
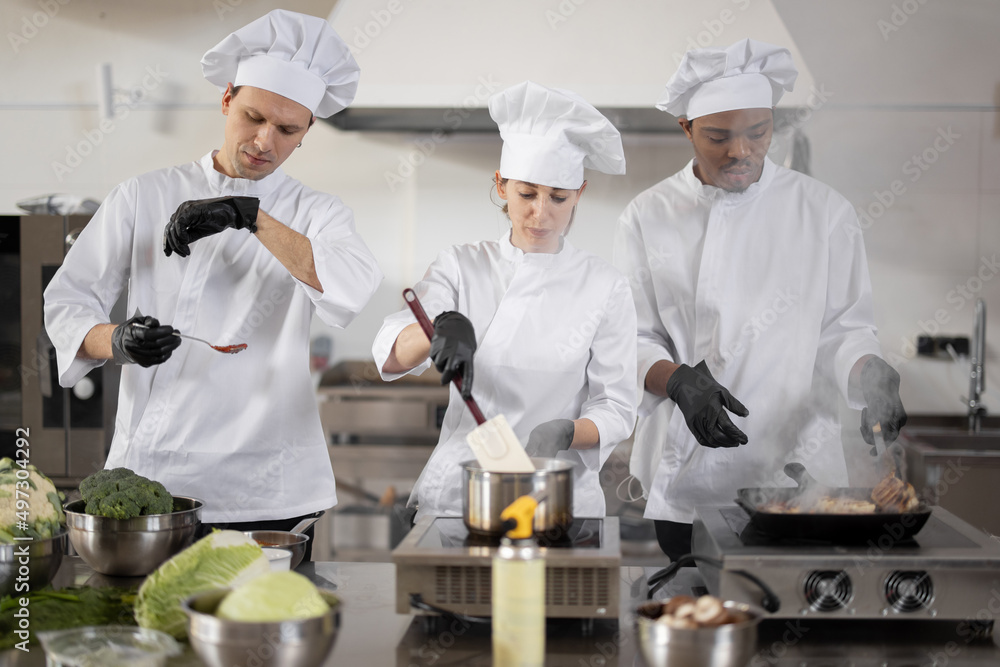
column 745, row 75
column 294, row 55
column 550, row 135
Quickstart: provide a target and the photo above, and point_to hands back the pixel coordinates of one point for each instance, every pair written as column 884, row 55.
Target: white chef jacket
column 555, row 338
column 771, row 288
column 241, row 432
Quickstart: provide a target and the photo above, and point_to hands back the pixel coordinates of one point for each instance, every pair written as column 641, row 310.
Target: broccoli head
column 119, row 493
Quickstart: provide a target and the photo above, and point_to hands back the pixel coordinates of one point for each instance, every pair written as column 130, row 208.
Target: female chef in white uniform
column 552, row 327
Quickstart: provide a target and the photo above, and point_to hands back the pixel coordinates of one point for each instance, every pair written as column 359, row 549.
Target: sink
column 986, row 441
column 953, row 468
column 951, row 422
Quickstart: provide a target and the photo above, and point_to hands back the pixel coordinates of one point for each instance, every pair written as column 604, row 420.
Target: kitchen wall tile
column 912, row 302
column 920, row 231
column 866, row 150
column 989, row 222
column 989, row 169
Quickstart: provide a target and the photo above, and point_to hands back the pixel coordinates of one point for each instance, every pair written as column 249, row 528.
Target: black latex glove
column 144, row 346
column 880, row 386
column 199, row 218
column 704, row 402
column 551, row 437
column 452, row 347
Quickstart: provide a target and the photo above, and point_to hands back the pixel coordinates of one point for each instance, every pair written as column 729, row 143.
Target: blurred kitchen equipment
column 729, row 645
column 59, row 204
column 977, row 379
column 320, row 353
column 441, row 566
column 487, row 493
column 227, row 349
column 935, row 574
column 44, row 558
column 221, row 642
column 132, row 547
column 357, row 407
column 292, row 541
column 70, row 430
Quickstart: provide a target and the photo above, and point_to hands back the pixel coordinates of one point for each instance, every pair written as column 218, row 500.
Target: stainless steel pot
column 485, row 494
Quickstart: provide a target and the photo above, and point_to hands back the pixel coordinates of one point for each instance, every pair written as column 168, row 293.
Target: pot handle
column 306, row 522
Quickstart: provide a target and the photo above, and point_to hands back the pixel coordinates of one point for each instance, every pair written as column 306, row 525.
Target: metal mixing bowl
column 730, row 645
column 44, row 559
column 132, row 547
column 486, row 494
column 221, row 642
column 294, row 542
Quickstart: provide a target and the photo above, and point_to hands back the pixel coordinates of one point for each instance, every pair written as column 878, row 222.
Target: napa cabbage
column 222, row 559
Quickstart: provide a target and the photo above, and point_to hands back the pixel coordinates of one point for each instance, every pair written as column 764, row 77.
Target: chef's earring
column 300, row 145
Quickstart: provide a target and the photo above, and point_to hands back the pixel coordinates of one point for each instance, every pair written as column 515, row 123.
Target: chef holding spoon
column 232, row 250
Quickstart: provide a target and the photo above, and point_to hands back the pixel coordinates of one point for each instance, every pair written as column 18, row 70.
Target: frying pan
column 831, row 528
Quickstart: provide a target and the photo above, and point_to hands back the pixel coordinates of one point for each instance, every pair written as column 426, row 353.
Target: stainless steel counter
column 373, row 635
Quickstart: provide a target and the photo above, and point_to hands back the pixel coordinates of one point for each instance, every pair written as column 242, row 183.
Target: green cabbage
column 276, row 596
column 224, row 559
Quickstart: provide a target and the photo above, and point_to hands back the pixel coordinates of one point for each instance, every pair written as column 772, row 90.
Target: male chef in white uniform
column 232, row 250
column 753, row 300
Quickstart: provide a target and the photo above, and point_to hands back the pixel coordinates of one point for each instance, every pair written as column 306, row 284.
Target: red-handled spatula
column 493, row 442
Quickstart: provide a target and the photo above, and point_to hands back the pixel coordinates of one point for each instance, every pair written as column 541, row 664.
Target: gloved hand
column 452, row 347
column 704, row 402
column 551, row 437
column 199, row 218
column 144, row 346
column 880, row 386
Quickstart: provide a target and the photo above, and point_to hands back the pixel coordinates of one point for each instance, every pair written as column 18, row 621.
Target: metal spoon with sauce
column 226, row 349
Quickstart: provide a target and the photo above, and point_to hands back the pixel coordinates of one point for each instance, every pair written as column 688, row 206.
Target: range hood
column 432, row 66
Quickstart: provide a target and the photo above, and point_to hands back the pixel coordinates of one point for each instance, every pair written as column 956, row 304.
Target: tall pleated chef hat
column 294, row 55
column 550, row 135
column 745, row 75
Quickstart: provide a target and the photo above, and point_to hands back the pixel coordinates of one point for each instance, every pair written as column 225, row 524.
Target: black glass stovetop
column 448, row 531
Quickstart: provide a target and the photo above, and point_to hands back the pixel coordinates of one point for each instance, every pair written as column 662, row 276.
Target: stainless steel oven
column 69, row 429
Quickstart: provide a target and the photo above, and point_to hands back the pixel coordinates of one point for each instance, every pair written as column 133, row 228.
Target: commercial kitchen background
column 898, row 100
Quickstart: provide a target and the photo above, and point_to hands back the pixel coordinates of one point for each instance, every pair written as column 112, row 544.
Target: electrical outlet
column 937, row 346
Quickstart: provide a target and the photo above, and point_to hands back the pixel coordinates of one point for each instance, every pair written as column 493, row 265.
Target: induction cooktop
column 451, row 570
column 948, row 570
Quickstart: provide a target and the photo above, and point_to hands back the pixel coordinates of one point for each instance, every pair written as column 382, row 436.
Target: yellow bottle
column 519, row 592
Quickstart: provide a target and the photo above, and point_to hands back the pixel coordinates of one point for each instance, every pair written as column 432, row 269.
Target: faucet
column 977, row 376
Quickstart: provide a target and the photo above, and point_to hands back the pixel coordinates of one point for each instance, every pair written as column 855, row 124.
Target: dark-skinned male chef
column 753, row 300
column 232, row 250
